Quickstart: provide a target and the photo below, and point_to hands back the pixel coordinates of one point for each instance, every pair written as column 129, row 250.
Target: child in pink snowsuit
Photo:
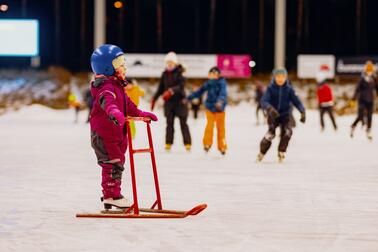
column 107, row 119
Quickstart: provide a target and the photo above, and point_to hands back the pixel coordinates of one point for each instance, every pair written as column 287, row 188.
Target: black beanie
column 215, row 69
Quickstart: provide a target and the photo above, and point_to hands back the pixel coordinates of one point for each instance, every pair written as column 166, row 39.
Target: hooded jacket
column 281, row 98
column 108, row 95
column 216, row 92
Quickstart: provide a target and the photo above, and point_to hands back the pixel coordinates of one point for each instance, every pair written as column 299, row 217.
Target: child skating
column 259, row 92
column 216, row 101
column 74, row 103
column 134, row 92
column 365, row 90
column 107, row 120
column 325, row 100
column 277, row 102
column 196, row 105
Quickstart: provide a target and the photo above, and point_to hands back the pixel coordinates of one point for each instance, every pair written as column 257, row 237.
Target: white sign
column 19, row 37
column 310, row 65
column 152, row 65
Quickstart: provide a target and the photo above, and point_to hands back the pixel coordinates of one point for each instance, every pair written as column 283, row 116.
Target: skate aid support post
column 132, row 151
column 134, row 211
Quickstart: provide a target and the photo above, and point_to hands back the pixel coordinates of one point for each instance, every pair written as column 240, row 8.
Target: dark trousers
column 172, row 110
column 285, row 125
column 329, row 111
column 364, row 109
column 258, row 109
column 195, row 109
column 77, row 110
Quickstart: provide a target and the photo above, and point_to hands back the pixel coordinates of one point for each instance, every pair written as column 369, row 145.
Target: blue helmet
column 102, row 57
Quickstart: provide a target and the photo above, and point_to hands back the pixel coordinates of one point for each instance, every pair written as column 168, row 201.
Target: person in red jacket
column 325, row 99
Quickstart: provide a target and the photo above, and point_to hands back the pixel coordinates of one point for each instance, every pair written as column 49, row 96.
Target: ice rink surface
column 324, row 197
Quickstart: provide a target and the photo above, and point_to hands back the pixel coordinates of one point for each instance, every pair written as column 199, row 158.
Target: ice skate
column 281, row 156
column 259, row 157
column 369, row 135
column 168, row 147
column 120, row 202
column 223, row 152
column 352, row 131
column 206, row 148
column 188, row 147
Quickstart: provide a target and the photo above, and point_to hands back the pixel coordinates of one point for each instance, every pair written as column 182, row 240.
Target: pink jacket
column 109, row 101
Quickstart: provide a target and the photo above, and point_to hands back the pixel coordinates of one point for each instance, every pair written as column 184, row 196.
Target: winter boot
column 120, row 202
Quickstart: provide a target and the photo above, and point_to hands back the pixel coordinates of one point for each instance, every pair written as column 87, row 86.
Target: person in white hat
column 172, row 89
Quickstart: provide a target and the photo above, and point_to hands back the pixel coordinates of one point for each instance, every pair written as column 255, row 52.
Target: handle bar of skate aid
column 142, row 119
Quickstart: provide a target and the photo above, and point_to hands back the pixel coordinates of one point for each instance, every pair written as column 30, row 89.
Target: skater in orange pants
column 216, row 101
column 217, row 118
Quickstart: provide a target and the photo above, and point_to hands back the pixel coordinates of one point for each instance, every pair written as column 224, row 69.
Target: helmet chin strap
column 121, row 77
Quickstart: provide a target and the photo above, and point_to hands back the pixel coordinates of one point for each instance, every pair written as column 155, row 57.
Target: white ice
column 324, row 197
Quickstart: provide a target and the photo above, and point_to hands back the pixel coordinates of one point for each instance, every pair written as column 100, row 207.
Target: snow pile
column 29, row 87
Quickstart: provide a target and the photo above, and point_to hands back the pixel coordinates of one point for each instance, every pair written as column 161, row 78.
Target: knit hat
column 321, row 76
column 280, row 70
column 171, row 56
column 369, row 67
column 215, row 69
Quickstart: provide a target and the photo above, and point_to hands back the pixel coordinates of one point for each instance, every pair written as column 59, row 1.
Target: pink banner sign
column 234, row 66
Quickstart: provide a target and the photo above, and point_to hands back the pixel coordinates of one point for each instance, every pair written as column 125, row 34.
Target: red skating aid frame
column 134, row 211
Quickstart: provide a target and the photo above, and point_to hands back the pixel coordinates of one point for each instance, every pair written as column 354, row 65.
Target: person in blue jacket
column 215, row 103
column 277, row 102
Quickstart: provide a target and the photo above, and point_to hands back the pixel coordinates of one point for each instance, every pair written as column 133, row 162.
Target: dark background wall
column 341, row 27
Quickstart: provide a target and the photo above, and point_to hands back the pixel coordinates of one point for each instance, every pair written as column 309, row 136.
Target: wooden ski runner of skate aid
column 134, row 211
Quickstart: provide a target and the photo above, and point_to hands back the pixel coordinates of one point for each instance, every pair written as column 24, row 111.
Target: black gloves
column 272, row 112
column 303, row 117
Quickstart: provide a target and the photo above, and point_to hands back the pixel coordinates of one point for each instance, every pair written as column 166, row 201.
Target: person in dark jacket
column 196, row 105
column 365, row 95
column 259, row 92
column 277, row 102
column 171, row 87
column 216, row 101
